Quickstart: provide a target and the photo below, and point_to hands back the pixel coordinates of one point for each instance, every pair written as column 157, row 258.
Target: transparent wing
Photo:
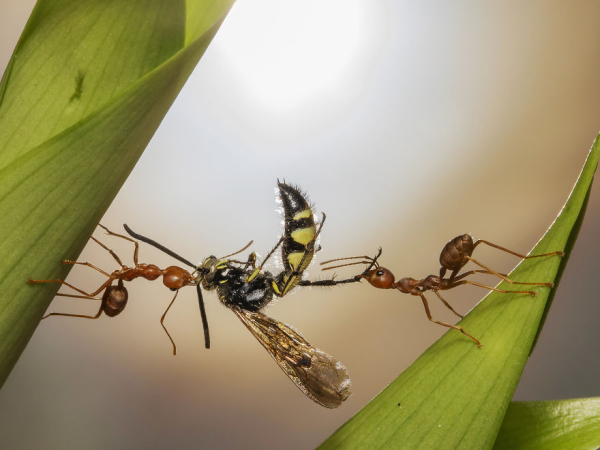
column 322, row 378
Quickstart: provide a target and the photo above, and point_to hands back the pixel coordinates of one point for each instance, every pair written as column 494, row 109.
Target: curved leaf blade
column 72, row 126
column 551, row 425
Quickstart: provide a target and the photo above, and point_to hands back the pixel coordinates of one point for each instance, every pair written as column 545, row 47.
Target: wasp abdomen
column 299, row 237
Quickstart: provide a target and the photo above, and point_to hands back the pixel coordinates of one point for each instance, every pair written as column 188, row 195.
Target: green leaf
column 559, row 424
column 87, row 86
column 455, row 395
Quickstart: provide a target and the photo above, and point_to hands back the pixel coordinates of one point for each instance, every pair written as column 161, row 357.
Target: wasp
column 246, row 288
column 454, row 256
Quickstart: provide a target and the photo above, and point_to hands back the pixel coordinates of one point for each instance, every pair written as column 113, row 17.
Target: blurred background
column 408, row 123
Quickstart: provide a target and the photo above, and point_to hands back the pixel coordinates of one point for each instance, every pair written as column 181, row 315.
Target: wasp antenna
column 155, row 244
column 239, row 251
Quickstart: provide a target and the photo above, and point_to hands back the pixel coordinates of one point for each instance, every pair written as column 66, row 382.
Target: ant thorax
column 406, row 285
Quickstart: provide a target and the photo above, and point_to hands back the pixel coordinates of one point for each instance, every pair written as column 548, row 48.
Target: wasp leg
column 250, row 263
column 258, row 269
column 310, row 249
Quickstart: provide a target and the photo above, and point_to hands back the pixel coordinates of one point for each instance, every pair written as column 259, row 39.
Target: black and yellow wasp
column 246, row 289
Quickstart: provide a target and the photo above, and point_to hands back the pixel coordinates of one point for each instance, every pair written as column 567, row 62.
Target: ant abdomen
column 455, row 254
column 114, row 299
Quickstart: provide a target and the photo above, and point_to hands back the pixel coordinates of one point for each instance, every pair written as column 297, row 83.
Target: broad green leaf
column 455, row 395
column 551, row 425
column 87, row 86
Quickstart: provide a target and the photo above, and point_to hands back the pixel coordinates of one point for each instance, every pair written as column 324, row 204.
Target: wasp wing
column 322, row 378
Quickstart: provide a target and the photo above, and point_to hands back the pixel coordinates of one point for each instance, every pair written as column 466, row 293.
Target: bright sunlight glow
column 287, row 52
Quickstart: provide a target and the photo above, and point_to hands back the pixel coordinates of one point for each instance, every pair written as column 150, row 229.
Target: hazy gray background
column 408, row 123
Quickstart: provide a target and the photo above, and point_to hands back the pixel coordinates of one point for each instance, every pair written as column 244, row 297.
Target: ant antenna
column 371, row 261
column 344, row 265
column 239, row 251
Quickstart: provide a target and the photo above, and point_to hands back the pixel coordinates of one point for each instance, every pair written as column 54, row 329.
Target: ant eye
column 380, row 272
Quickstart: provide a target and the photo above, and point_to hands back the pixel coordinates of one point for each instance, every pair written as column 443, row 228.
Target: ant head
column 174, row 277
column 380, row 277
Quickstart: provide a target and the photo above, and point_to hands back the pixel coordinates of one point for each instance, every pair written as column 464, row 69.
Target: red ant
column 454, row 256
column 115, row 297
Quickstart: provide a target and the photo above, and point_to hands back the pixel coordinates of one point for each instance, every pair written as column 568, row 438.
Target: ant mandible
column 115, row 297
column 455, row 255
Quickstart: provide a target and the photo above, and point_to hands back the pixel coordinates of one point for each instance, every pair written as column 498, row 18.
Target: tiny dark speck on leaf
column 78, row 86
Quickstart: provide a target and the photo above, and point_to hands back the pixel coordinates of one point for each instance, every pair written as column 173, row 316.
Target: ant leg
column 163, row 325
column 456, row 327
column 481, row 241
column 65, row 262
column 75, row 315
column 533, row 294
column 471, row 272
column 77, row 296
column 93, row 294
column 447, row 304
column 111, row 233
column 508, row 280
column 373, row 261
